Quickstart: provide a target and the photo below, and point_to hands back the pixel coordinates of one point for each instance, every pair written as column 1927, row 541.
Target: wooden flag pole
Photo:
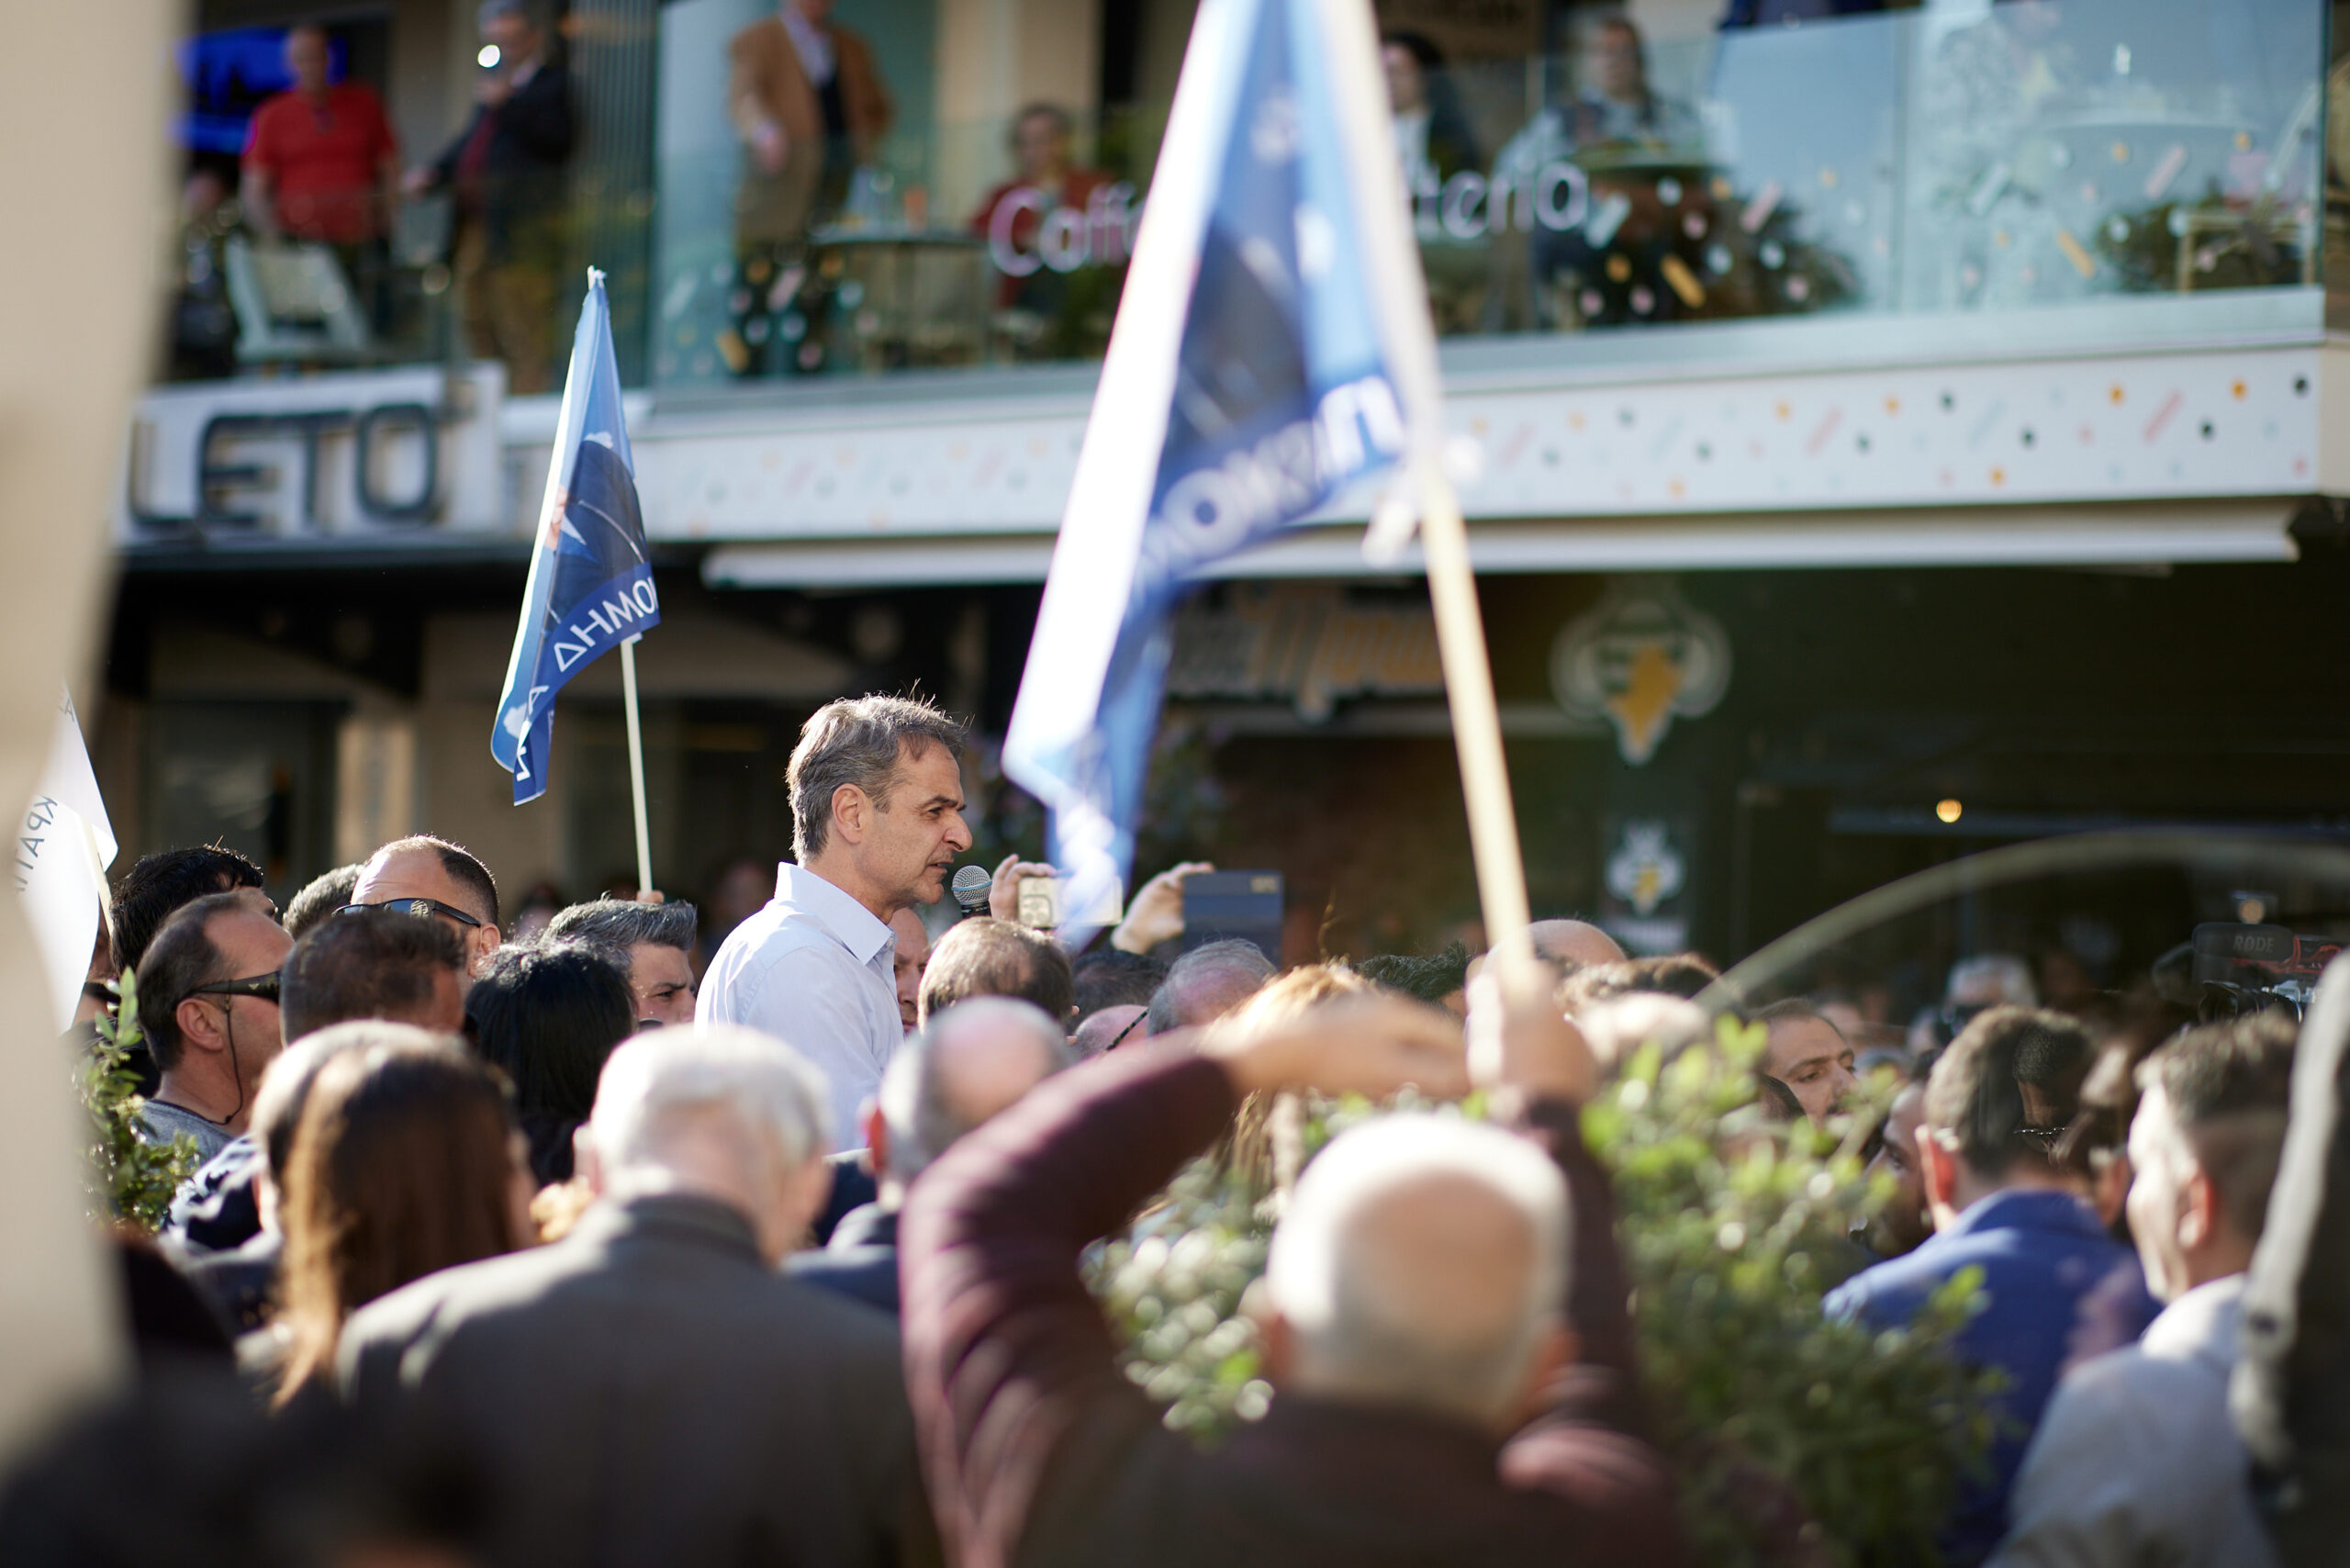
column 636, row 767
column 1476, row 720
column 97, row 874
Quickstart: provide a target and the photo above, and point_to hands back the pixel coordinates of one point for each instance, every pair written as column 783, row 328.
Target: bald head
column 1119, row 1025
column 308, row 56
column 967, row 1064
column 1422, row 1264
column 1576, row 943
column 464, row 894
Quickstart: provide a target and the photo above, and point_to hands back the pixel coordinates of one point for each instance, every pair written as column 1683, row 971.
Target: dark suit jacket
column 653, row 1394
column 853, row 1187
column 530, row 139
column 860, row 1261
column 1039, row 1451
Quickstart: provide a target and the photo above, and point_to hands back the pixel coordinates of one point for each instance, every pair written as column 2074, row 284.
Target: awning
column 2134, row 534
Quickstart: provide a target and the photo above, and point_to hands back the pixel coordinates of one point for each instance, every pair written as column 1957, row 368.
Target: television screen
column 228, row 74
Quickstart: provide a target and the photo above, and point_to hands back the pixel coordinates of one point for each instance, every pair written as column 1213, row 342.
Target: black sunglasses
column 421, row 908
column 262, row 986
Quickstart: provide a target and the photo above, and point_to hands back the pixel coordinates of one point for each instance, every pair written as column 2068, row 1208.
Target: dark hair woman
column 406, row 1161
column 547, row 1017
column 1421, row 91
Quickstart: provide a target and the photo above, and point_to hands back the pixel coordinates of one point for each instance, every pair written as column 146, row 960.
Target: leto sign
column 330, row 455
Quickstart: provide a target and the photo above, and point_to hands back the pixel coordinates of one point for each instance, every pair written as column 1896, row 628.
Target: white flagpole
column 636, row 767
column 94, row 858
column 1400, row 296
column 1476, row 717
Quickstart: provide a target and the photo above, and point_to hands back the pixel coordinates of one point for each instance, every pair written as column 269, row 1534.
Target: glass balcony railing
column 1977, row 171
column 1957, row 161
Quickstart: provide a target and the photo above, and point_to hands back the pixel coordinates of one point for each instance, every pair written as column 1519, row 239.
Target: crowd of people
column 784, row 1262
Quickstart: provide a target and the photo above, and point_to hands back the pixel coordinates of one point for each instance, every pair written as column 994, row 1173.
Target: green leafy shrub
column 1733, row 1231
column 1731, row 1241
column 129, row 1179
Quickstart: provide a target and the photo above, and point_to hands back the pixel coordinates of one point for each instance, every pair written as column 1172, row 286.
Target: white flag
column 62, row 852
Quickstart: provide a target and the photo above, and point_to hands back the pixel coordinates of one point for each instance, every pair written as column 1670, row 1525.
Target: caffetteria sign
column 327, row 456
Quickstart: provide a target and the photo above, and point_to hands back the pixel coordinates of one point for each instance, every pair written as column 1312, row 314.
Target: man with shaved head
column 430, row 878
column 1428, row 1279
column 969, row 1062
column 1422, row 1264
column 1111, row 1027
column 1574, row 943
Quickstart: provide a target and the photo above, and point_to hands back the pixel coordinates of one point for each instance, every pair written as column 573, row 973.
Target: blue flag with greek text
column 592, row 580
column 1251, row 384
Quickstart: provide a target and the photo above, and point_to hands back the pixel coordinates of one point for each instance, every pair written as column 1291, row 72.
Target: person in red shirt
column 321, row 160
column 1032, row 265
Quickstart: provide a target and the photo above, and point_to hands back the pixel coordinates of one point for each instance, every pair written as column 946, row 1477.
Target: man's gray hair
column 1381, row 1315
column 917, row 1099
column 654, row 1085
column 619, row 924
column 1207, row 981
column 859, row 740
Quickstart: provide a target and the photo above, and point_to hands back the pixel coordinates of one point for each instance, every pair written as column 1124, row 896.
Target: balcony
column 1942, row 283
column 1912, row 186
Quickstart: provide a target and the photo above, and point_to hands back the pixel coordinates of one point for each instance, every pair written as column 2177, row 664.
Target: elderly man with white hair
column 651, row 1388
column 1443, row 1312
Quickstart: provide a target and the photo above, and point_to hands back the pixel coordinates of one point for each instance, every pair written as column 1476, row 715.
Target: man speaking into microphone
column 876, row 824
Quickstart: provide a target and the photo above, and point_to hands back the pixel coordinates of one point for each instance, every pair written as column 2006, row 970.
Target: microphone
column 971, row 886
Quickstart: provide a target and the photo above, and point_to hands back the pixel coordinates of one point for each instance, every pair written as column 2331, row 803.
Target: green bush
column 129, row 1179
column 1730, row 1253
column 1733, row 1230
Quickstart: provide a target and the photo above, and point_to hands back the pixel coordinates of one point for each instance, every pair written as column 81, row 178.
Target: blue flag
column 1273, row 346
column 592, row 580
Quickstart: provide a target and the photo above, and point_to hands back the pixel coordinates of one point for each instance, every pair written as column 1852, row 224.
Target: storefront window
column 1954, row 160
column 1957, row 165
column 897, row 265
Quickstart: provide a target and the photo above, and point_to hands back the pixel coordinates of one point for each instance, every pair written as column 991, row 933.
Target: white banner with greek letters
column 64, row 845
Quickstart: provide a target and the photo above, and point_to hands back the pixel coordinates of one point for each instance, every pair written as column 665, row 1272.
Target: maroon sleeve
column 1005, row 1350
column 1599, row 1292
column 1590, row 1443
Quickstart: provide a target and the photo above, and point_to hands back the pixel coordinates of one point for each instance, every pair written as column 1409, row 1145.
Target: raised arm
column 1539, row 1071
column 746, row 102
column 1007, row 1354
column 1005, row 1350
column 1588, row 1440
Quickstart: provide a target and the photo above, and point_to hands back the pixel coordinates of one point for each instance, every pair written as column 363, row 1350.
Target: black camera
column 2238, row 968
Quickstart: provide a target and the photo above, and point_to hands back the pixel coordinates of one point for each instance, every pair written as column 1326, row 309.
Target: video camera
column 2241, row 968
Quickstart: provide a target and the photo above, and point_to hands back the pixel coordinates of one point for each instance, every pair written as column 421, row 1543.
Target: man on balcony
column 506, row 169
column 811, row 107
column 320, row 163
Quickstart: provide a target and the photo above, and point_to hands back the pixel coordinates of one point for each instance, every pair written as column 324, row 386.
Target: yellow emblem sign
column 1637, row 657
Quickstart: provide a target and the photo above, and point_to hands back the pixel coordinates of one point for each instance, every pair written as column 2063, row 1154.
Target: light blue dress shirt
column 813, row 970
column 2137, row 1461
